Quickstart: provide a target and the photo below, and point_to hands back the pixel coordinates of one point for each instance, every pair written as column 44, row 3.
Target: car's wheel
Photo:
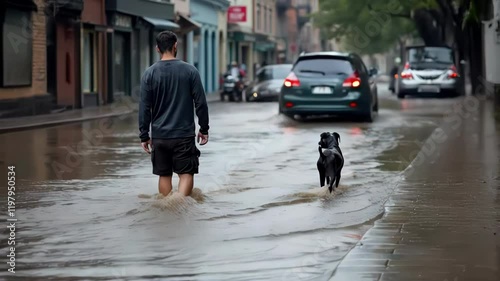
column 375, row 108
column 231, row 96
column 221, row 96
column 369, row 116
column 401, row 95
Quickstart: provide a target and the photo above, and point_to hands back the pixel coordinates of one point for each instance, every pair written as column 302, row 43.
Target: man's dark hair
column 165, row 41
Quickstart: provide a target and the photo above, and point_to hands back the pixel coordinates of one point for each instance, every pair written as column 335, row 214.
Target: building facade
column 309, row 35
column 241, row 37
column 94, row 56
column 187, row 26
column 63, row 52
column 265, row 30
column 222, row 37
column 205, row 40
column 23, row 88
column 132, row 28
column 287, row 31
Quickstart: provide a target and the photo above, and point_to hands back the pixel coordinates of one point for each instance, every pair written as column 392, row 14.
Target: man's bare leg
column 165, row 185
column 186, row 183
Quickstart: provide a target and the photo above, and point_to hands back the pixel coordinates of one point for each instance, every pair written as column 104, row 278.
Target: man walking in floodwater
column 169, row 88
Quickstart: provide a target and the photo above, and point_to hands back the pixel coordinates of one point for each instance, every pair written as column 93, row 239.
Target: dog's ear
column 337, row 136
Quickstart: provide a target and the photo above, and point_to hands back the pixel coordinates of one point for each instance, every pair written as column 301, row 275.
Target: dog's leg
column 337, row 180
column 330, row 187
column 321, row 170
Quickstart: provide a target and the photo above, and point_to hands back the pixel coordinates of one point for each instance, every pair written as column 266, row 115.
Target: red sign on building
column 237, row 14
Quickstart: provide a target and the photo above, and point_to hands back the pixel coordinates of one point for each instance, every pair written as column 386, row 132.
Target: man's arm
column 145, row 109
column 200, row 102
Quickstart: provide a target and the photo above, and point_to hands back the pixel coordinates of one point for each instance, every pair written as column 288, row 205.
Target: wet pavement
column 88, row 209
column 443, row 222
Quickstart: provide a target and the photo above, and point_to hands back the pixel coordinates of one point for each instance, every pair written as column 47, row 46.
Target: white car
column 429, row 70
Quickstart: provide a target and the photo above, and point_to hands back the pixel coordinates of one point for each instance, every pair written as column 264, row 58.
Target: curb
column 61, row 122
column 211, row 98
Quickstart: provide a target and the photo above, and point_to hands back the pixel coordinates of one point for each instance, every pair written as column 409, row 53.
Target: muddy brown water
column 88, row 206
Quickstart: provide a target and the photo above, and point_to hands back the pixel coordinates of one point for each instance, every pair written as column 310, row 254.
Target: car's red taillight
column 291, row 80
column 406, row 75
column 453, row 73
column 407, row 65
column 352, row 81
column 289, row 104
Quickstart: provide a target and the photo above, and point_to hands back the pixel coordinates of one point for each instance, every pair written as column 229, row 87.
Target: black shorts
column 178, row 156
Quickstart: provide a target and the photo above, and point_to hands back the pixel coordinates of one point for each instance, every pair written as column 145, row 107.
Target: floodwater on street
column 88, row 206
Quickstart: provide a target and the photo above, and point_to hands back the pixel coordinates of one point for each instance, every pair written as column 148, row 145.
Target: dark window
column 17, row 48
column 430, row 55
column 323, row 65
column 273, row 72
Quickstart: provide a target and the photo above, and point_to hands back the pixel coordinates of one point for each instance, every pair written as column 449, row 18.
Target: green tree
column 455, row 23
column 367, row 27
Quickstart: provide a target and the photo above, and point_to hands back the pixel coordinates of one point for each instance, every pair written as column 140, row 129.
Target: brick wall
column 39, row 77
column 94, row 12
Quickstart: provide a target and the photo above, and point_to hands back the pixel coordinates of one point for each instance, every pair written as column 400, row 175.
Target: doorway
column 121, row 65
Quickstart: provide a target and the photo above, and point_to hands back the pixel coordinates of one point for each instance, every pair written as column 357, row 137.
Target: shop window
column 17, row 48
column 89, row 70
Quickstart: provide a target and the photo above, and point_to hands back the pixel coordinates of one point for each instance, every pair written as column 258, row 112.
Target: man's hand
column 146, row 146
column 202, row 139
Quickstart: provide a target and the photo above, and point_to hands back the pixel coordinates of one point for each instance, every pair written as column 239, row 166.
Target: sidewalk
column 127, row 106
column 443, row 222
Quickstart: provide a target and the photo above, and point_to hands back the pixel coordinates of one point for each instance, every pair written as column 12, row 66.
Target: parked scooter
column 232, row 87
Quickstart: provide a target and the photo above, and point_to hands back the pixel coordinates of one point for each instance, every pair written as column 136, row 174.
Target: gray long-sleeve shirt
column 168, row 90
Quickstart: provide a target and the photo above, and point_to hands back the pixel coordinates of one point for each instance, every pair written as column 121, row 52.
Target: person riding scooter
column 233, row 84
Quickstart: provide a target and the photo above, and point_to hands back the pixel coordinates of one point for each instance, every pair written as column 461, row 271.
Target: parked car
column 329, row 83
column 267, row 83
column 429, row 70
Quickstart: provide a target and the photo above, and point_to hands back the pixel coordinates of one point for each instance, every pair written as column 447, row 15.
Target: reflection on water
column 89, row 210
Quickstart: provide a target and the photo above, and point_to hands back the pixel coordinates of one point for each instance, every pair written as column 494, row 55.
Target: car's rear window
column 323, row 65
column 430, row 55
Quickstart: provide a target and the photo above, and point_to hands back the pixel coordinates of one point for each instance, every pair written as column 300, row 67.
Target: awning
column 162, row 24
column 187, row 24
column 264, row 46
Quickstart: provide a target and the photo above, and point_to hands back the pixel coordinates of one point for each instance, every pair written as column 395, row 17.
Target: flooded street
column 88, row 206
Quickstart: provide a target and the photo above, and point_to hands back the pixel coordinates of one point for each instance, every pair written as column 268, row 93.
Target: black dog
column 331, row 160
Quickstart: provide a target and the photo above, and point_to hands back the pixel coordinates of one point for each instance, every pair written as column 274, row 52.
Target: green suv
column 329, row 83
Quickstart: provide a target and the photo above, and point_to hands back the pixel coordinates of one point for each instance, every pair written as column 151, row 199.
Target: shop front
column 241, row 47
column 119, row 56
column 205, row 40
column 63, row 53
column 134, row 25
column 265, row 50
